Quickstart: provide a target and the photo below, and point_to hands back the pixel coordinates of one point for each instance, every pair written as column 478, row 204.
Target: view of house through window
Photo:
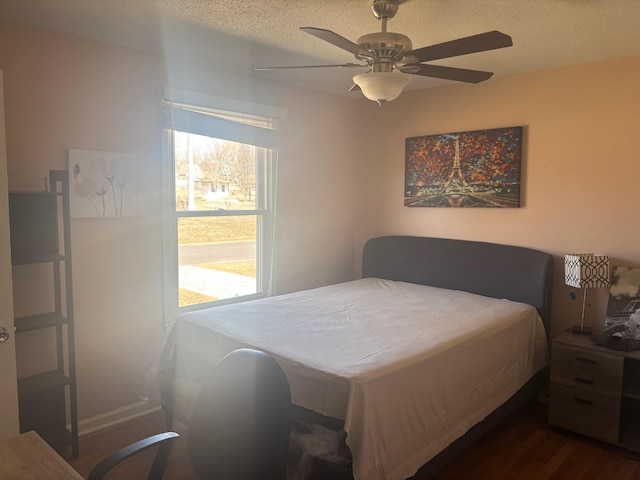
column 221, row 159
column 220, row 189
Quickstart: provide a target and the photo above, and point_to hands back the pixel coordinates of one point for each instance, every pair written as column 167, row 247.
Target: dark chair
column 239, row 428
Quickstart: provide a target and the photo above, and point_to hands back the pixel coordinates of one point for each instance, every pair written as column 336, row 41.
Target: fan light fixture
column 384, row 53
column 381, row 87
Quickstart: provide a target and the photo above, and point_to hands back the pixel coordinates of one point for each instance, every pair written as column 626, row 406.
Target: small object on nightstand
column 585, row 270
column 614, row 342
column 580, row 330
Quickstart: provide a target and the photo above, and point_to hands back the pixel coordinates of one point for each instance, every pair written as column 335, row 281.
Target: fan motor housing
column 384, row 9
column 385, row 44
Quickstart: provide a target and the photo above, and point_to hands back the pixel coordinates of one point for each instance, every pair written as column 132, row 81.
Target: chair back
column 240, row 425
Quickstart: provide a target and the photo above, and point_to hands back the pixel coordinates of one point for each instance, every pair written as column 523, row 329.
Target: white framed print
column 101, row 184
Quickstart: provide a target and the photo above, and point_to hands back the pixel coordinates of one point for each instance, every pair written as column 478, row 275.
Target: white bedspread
column 409, row 368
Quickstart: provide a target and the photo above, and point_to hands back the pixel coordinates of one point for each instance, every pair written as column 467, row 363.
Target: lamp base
column 577, row 330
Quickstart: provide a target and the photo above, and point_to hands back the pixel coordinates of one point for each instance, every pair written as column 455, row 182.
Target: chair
column 239, row 428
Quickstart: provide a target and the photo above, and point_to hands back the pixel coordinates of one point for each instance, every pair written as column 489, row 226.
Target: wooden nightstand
column 595, row 391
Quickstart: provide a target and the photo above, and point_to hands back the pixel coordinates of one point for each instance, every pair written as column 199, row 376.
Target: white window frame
column 218, row 128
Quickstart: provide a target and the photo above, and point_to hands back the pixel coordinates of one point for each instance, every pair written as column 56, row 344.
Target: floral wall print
column 101, row 184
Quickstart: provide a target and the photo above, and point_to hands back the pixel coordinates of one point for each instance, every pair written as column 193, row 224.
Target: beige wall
column 580, row 167
column 64, row 92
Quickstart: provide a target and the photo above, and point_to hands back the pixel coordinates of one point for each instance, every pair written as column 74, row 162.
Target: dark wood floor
column 522, row 448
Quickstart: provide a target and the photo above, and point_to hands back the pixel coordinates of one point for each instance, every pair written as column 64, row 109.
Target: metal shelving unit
column 41, row 233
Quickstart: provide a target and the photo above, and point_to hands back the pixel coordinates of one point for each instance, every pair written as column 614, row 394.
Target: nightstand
column 595, row 391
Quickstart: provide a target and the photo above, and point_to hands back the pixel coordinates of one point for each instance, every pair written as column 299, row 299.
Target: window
column 219, row 214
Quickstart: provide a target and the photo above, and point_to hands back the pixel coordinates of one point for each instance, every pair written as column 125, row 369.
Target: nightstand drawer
column 586, row 378
column 584, row 412
column 587, row 360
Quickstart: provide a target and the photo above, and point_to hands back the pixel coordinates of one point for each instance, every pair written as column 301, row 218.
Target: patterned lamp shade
column 586, row 270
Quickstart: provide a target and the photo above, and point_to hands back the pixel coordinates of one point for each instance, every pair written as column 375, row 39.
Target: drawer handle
column 584, row 380
column 582, row 400
column 585, row 360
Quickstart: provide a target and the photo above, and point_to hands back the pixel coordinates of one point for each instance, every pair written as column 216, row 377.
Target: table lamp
column 586, row 270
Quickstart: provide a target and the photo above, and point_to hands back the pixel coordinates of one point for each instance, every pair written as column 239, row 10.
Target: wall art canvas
column 623, row 310
column 101, row 184
column 479, row 168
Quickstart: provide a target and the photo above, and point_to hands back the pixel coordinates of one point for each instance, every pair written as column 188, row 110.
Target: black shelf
column 43, row 258
column 34, row 226
column 42, row 382
column 59, row 439
column 40, row 233
column 41, row 320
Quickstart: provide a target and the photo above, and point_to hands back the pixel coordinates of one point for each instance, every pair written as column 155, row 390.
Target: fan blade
column 342, row 65
column 450, row 73
column 337, row 40
column 463, row 46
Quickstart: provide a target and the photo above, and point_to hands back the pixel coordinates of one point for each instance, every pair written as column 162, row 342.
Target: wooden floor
column 522, row 448
column 96, row 446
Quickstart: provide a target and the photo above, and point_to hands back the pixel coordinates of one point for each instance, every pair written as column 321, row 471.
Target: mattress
column 409, row 368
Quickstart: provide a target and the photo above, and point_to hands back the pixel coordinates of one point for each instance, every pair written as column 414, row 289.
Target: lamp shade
column 586, row 270
column 382, row 87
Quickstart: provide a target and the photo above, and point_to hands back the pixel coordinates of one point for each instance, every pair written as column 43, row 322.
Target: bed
column 437, row 342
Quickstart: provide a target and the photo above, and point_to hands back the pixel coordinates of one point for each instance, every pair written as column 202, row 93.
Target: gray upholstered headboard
column 500, row 271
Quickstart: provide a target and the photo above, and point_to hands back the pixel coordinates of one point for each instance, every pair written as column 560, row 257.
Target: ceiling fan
column 391, row 58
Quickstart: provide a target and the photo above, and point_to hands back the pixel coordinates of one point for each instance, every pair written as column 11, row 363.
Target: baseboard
column 115, row 417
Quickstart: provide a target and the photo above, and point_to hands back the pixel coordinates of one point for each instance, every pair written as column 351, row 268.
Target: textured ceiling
column 242, row 34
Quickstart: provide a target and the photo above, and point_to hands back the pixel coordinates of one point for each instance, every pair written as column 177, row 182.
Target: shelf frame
column 39, row 321
column 49, row 241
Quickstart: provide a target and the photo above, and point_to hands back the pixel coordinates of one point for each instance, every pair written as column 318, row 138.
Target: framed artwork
column 480, row 168
column 101, row 184
column 623, row 310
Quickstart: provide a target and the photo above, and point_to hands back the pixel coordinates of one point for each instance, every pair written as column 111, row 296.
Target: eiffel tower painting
column 480, row 168
column 455, row 177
